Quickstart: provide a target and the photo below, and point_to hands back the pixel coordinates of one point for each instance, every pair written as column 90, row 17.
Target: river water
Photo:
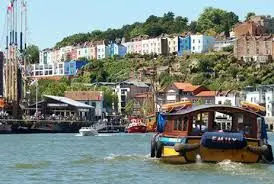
column 110, row 158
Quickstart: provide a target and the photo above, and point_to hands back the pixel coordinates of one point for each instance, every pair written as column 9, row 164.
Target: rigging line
column 4, row 31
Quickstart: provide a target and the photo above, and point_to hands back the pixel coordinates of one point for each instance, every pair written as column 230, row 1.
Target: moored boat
column 136, row 126
column 184, row 133
column 88, row 131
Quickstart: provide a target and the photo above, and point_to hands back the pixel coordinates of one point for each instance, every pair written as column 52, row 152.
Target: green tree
column 217, row 19
column 32, row 54
column 129, row 107
column 249, row 14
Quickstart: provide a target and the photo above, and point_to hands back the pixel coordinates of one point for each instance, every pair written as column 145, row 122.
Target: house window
column 193, row 48
column 199, row 41
column 251, row 99
column 220, row 102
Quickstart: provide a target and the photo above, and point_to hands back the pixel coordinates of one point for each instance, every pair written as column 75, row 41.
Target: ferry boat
column 186, row 132
column 136, row 126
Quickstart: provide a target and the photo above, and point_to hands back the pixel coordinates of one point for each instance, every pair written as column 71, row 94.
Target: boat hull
column 88, row 132
column 170, row 155
column 137, row 129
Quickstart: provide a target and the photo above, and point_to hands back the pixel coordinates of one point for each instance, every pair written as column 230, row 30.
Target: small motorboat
column 136, row 126
column 88, row 131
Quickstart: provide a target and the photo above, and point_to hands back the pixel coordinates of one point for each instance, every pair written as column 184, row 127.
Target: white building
column 102, row 51
column 155, row 46
column 82, row 52
column 45, row 56
column 44, row 70
column 201, row 43
column 173, row 44
column 228, row 98
column 220, row 44
column 65, row 52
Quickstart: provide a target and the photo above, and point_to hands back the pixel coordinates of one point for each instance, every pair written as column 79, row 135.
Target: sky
column 49, row 21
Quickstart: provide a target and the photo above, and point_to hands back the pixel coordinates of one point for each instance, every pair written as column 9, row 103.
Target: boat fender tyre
column 153, row 147
column 265, row 151
column 159, row 149
column 183, row 148
column 268, row 155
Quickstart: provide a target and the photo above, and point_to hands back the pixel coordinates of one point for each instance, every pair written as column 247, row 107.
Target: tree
column 193, row 28
column 32, row 54
column 217, row 19
column 129, row 107
column 249, row 14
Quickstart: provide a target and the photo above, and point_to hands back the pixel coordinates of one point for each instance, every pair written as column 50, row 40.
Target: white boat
column 88, row 131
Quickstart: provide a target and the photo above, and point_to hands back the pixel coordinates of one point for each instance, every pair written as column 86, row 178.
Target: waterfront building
column 128, row 90
column 92, row 98
column 117, row 50
column 173, row 44
column 179, row 91
column 254, row 48
column 263, row 95
column 232, row 98
column 201, row 43
column 63, row 108
column 205, row 97
column 184, row 45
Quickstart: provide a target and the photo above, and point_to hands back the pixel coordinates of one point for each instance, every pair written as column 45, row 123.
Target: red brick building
column 254, row 48
column 248, row 28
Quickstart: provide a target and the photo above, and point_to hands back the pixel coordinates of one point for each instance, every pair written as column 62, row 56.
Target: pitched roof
column 186, row 86
column 206, row 94
column 69, row 102
column 84, row 95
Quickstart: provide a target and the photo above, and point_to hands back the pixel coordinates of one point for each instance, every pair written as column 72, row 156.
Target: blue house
column 117, row 49
column 72, row 67
column 184, row 45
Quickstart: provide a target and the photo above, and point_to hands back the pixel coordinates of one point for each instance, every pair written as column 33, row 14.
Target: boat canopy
column 163, row 118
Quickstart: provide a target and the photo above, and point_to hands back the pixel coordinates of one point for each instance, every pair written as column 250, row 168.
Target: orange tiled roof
column 206, row 94
column 84, row 95
column 186, row 86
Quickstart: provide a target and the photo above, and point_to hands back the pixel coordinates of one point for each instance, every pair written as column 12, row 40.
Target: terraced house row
column 161, row 45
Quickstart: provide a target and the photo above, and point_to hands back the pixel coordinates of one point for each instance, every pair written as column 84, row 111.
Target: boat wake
column 113, row 157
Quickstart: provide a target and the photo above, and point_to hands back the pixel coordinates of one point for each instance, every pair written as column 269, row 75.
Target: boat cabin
column 196, row 120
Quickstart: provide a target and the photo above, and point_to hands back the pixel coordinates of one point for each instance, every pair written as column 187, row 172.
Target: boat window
column 178, row 125
column 185, row 124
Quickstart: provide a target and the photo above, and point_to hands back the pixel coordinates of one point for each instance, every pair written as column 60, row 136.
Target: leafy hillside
column 211, row 21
